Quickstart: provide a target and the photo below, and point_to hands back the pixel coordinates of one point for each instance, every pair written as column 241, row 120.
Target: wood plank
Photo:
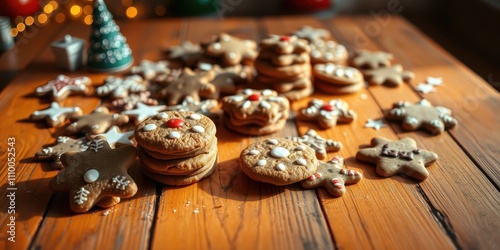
column 455, row 182
column 231, row 206
column 376, row 207
column 128, row 224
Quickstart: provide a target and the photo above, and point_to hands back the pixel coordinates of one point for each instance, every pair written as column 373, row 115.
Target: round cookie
column 283, row 59
column 278, row 161
column 330, row 88
column 337, row 74
column 175, row 132
column 254, row 129
column 328, row 52
column 163, row 156
column 269, row 69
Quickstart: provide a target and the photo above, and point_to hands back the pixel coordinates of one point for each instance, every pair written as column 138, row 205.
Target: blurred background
column 468, row 29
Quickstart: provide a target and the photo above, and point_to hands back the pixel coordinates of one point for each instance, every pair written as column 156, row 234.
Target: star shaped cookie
column 117, row 87
column 391, row 76
column 189, row 83
column 320, row 145
column 332, row 177
column 55, row 114
column 399, row 157
column 328, row 113
column 187, row 52
column 205, row 107
column 97, row 122
column 231, row 49
column 364, row 59
column 63, row 86
column 422, row 115
column 311, row 34
column 96, row 175
column 115, row 137
column 149, row 70
column 62, row 145
column 143, row 111
column 375, row 124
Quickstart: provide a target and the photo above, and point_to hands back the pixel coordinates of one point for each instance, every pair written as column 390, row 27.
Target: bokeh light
column 13, row 32
column 160, row 10
column 60, row 17
column 18, row 19
column 54, row 4
column 75, row 10
column 87, row 10
column 29, row 20
column 21, row 27
column 42, row 18
column 48, row 8
column 131, row 12
column 88, row 19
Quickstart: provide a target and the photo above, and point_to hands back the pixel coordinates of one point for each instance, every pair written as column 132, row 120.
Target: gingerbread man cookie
column 327, row 114
column 399, row 157
column 95, row 175
column 55, row 114
column 189, row 83
column 364, row 59
column 422, row 115
column 63, row 86
column 97, row 122
column 311, row 34
column 320, row 145
column 285, row 44
column 62, row 145
column 278, row 161
column 231, row 49
column 332, row 177
column 391, row 76
column 117, row 87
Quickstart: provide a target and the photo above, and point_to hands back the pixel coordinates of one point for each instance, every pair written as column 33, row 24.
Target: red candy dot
column 254, row 97
column 328, row 107
column 285, row 38
column 175, row 123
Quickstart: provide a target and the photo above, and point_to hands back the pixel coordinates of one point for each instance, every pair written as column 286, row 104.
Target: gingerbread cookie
column 149, row 70
column 62, row 145
column 231, row 49
column 63, row 86
column 131, row 101
column 175, row 133
column 117, row 87
column 319, row 144
column 338, row 74
column 115, row 137
column 55, row 114
column 392, row 76
column 278, row 161
column 187, row 52
column 328, row 52
column 96, row 175
column 311, row 34
column 206, row 107
column 337, row 89
column 332, row 177
column 422, row 115
column 284, row 59
column 399, row 157
column 327, row 114
column 189, row 83
column 285, row 44
column 97, row 122
column 143, row 111
column 227, row 80
column 364, row 59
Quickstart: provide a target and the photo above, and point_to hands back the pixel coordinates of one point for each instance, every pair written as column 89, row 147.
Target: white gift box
column 69, row 52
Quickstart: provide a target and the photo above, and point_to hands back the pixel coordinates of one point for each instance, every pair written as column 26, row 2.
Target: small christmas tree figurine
column 108, row 50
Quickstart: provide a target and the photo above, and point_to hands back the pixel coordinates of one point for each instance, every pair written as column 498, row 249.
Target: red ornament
column 14, row 8
column 328, row 107
column 285, row 38
column 254, row 97
column 175, row 123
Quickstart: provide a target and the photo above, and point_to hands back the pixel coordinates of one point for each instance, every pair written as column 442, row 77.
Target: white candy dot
column 301, row 161
column 198, row 129
column 161, row 115
column 174, row 135
column 247, row 91
column 300, row 148
column 280, row 152
column 195, row 116
column 272, row 141
column 281, row 167
column 265, row 105
column 150, row 127
column 267, row 92
column 91, row 176
column 261, row 163
column 254, row 152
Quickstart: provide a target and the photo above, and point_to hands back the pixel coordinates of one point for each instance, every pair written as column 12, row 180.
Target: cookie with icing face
column 328, row 52
column 63, row 86
column 327, row 113
column 231, row 50
column 55, row 114
column 278, row 161
column 332, row 177
column 422, row 115
column 175, row 133
column 337, row 74
column 97, row 176
column 398, row 157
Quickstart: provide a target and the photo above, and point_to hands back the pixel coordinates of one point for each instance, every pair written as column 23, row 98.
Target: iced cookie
column 285, row 44
column 312, row 34
column 320, row 145
column 337, row 74
column 391, row 76
column 97, row 122
column 63, row 86
column 365, row 59
column 278, row 161
column 328, row 113
column 62, row 145
column 328, row 52
column 187, row 52
column 189, row 83
column 117, row 87
column 149, row 70
column 231, row 50
column 55, row 114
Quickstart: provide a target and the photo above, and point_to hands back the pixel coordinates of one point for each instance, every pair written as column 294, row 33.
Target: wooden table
column 456, row 207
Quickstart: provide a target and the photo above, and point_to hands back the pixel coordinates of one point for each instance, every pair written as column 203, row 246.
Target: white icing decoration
column 280, row 152
column 161, row 115
column 247, row 91
column 267, row 92
column 81, row 196
column 254, row 152
column 174, row 135
column 195, row 116
column 300, row 148
column 265, row 105
column 120, row 182
column 150, row 127
column 281, row 167
column 261, row 163
column 91, row 176
column 236, row 98
column 272, row 141
column 246, row 105
column 198, row 129
column 96, row 145
column 217, row 46
column 301, row 161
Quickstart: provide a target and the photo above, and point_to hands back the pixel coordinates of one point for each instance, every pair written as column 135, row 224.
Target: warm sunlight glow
column 21, row 27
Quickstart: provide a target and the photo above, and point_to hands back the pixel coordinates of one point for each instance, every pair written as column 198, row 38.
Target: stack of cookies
column 177, row 148
column 283, row 65
column 337, row 79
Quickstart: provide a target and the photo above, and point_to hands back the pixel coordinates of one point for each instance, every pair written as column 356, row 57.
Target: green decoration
column 108, row 50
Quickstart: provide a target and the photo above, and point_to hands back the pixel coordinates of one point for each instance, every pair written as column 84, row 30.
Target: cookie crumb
column 188, row 203
column 196, row 210
column 174, row 210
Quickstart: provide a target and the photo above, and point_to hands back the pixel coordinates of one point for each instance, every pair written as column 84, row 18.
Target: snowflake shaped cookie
column 189, row 83
column 63, row 86
column 231, row 49
column 285, row 44
column 311, row 34
column 62, row 145
column 398, row 157
column 320, row 145
column 55, row 114
column 364, row 59
column 96, row 175
column 97, row 122
column 327, row 114
column 205, row 107
column 422, row 115
column 332, row 177
column 392, row 76
column 149, row 70
column 117, row 87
